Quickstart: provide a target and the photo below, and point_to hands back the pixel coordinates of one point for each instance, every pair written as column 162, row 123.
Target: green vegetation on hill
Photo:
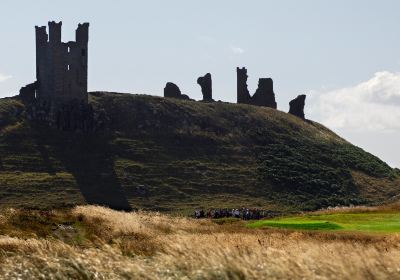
column 317, row 171
column 175, row 155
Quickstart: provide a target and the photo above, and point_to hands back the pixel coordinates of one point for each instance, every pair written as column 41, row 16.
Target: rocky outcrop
column 297, row 106
column 264, row 95
column 172, row 90
column 205, row 83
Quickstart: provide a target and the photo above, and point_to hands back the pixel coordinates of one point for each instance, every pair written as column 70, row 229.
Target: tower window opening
column 69, row 49
column 68, row 68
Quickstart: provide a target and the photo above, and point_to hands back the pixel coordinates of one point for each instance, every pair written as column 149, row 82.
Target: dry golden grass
column 98, row 243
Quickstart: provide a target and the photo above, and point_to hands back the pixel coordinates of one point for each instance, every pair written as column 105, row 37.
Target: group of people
column 240, row 213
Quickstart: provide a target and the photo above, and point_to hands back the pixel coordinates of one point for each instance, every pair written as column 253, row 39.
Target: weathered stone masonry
column 61, row 68
column 264, row 95
column 59, row 96
column 205, row 83
column 172, row 90
column 297, row 106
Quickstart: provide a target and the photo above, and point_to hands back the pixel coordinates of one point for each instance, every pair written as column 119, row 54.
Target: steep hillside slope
column 175, row 155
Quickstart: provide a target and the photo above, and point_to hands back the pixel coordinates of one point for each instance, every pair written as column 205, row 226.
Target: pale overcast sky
column 345, row 55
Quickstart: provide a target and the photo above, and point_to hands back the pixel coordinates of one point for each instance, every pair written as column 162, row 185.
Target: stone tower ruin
column 61, row 68
column 59, row 96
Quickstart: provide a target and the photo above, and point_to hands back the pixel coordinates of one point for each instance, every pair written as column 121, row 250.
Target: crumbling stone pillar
column 243, row 95
column 205, row 83
column 297, row 106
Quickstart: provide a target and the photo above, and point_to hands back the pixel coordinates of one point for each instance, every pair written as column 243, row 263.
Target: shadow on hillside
column 90, row 160
column 45, row 155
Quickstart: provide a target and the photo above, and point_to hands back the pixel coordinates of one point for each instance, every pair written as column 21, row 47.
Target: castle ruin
column 264, row 95
column 297, row 106
column 61, row 68
column 205, row 83
column 171, row 90
column 59, row 96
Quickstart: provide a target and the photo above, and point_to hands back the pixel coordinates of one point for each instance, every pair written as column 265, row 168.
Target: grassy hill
column 175, row 155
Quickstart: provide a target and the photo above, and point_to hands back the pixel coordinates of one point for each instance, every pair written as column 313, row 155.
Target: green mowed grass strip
column 303, row 225
column 364, row 222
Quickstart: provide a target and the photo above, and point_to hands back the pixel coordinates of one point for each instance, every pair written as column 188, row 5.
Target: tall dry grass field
column 97, row 243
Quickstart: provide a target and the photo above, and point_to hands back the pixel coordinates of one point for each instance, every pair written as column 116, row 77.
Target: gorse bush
column 319, row 171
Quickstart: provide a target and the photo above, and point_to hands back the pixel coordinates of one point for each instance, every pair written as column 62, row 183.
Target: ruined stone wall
column 297, row 106
column 171, row 90
column 61, row 68
column 28, row 93
column 264, row 95
column 243, row 95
